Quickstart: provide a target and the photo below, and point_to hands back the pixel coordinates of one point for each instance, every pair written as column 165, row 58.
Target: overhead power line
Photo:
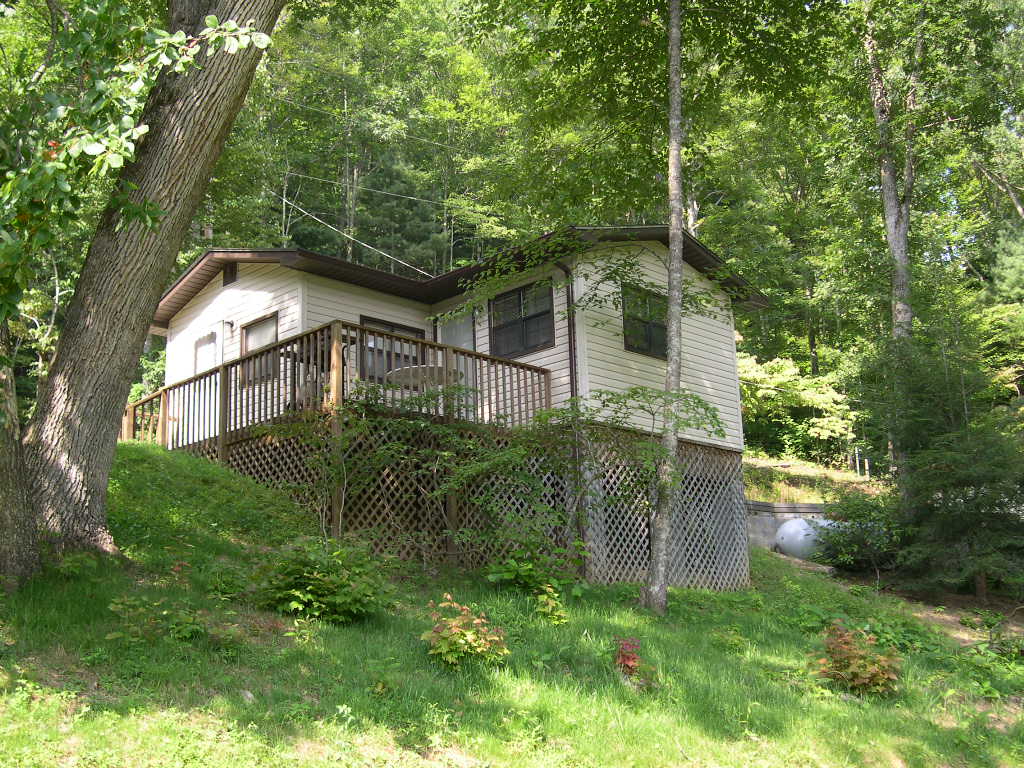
column 366, row 189
column 300, row 209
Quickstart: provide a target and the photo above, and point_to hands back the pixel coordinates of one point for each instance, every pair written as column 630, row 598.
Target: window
column 643, row 322
column 383, row 354
column 205, row 353
column 522, row 321
column 256, row 335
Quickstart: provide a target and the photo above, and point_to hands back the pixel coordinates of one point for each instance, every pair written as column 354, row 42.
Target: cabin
column 256, row 335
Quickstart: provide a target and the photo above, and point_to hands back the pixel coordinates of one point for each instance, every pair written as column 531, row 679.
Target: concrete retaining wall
column 764, row 519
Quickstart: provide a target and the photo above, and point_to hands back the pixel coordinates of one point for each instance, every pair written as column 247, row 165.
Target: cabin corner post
column 127, row 422
column 223, row 393
column 161, row 423
column 335, row 400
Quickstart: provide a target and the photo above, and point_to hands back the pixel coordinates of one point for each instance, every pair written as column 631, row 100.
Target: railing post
column 335, row 398
column 448, row 378
column 222, row 415
column 336, row 385
column 161, row 420
column 547, row 389
column 127, row 418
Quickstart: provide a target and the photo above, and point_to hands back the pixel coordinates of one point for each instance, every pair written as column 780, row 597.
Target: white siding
column 709, row 353
column 259, row 290
column 328, row 300
column 555, row 358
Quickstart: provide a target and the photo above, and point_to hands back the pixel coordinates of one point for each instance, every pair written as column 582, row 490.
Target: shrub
column 334, row 581
column 145, row 619
column 458, row 634
column 522, row 574
column 633, row 668
column 866, row 533
column 853, row 661
column 549, row 605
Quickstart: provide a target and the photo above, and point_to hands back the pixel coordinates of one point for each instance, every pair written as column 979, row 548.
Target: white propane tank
column 798, row 538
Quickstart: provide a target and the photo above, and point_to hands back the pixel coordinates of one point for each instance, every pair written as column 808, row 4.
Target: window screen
column 643, row 322
column 522, row 321
column 254, row 336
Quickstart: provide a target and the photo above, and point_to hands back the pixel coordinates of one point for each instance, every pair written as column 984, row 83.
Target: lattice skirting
column 708, row 548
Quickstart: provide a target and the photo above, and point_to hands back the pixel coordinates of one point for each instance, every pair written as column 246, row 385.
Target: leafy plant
column 549, row 605
column 145, row 619
column 865, row 532
column 634, row 669
column 330, row 580
column 853, row 661
column 523, row 574
column 458, row 633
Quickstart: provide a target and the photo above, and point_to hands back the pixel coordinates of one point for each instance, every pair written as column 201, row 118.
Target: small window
column 256, row 335
column 230, row 272
column 522, row 321
column 205, row 356
column 643, row 322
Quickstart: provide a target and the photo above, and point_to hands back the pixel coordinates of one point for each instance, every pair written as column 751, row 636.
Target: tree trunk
column 70, row 443
column 19, row 546
column 897, row 195
column 656, row 594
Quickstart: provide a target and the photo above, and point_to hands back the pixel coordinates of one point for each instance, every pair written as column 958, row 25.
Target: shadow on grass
column 733, row 672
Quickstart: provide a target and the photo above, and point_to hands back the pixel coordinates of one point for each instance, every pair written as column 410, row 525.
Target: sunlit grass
column 735, row 687
column 792, row 481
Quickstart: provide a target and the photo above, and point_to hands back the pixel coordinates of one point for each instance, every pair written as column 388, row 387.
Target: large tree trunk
column 656, row 595
column 897, row 195
column 70, row 443
column 19, row 551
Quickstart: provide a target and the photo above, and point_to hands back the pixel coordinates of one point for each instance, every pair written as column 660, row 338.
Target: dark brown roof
column 436, row 289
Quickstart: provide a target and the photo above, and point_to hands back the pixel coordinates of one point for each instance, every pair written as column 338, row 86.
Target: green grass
column 735, row 687
column 792, row 481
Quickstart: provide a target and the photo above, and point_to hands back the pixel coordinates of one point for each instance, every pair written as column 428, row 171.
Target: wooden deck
column 323, row 368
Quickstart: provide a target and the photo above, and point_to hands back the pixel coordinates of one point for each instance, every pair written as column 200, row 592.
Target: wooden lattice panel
column 401, row 510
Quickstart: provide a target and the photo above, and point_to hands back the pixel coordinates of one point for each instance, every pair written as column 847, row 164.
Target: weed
column 462, row 634
column 548, row 604
column 853, row 661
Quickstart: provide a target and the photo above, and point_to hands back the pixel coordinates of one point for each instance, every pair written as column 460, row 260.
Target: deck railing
column 330, row 364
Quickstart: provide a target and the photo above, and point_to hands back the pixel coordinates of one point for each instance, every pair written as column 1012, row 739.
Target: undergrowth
column 199, row 676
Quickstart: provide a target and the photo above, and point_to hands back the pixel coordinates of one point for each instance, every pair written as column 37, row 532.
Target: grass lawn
column 793, row 481
column 735, row 682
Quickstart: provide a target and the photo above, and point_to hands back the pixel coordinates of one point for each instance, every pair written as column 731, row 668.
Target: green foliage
column 788, row 413
column 522, row 574
column 852, row 661
column 74, row 117
column 866, row 530
column 147, row 620
column 549, row 605
column 330, row 580
column 967, row 491
column 459, row 634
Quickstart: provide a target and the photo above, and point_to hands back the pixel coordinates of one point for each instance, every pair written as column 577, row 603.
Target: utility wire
column 366, row 189
column 343, row 117
column 346, row 234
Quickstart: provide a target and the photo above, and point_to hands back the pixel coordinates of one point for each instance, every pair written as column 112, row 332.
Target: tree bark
column 19, row 545
column 656, row 594
column 70, row 443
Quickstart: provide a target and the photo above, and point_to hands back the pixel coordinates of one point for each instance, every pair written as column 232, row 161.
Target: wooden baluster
column 161, row 425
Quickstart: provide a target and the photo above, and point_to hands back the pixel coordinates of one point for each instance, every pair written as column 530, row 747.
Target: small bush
column 522, row 574
column 853, row 661
column 334, row 581
column 866, row 533
column 458, row 634
column 549, row 605
column 144, row 619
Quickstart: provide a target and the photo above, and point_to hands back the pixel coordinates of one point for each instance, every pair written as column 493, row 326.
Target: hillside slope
column 790, row 481
column 734, row 686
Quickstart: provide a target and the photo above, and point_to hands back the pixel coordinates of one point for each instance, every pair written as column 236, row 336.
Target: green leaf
column 260, row 40
column 211, row 21
column 94, row 148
